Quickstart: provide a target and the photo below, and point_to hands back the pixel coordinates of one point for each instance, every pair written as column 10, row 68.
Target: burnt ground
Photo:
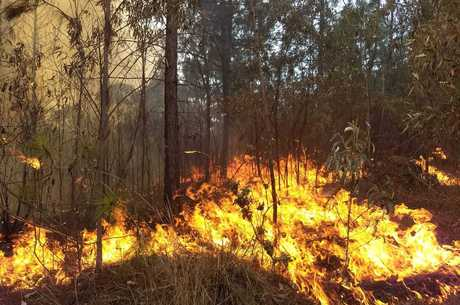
column 444, row 204
column 401, row 180
column 9, row 297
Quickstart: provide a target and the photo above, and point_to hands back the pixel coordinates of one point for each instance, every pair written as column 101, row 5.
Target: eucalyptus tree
column 435, row 106
column 175, row 21
column 226, row 8
column 103, row 133
column 171, row 120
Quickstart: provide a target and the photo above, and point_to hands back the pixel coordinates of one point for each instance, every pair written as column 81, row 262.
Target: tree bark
column 207, row 86
column 144, row 114
column 268, row 114
column 171, row 120
column 322, row 26
column 207, row 137
column 35, row 106
column 75, row 171
column 226, row 28
column 102, row 164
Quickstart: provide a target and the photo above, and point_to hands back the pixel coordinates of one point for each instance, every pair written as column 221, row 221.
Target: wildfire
column 308, row 245
column 443, row 177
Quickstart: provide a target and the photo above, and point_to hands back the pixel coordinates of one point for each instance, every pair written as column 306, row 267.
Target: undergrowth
column 185, row 280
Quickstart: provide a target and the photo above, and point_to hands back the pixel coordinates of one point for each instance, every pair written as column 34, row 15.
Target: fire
column 439, row 152
column 443, row 177
column 32, row 162
column 307, row 245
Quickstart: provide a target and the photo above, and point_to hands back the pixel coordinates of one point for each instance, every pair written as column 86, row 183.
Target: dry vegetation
column 184, row 280
column 203, row 152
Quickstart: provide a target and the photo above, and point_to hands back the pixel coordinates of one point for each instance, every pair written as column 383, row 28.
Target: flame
column 307, row 245
column 33, row 162
column 443, row 177
column 439, row 153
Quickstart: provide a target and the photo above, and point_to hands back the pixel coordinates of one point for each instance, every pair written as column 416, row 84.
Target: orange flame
column 443, row 177
column 33, row 162
column 309, row 251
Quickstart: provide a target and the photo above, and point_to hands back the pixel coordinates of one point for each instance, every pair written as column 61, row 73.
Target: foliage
column 435, row 111
column 349, row 155
column 106, row 204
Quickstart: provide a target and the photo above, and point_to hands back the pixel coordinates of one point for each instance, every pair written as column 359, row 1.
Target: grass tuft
column 185, row 280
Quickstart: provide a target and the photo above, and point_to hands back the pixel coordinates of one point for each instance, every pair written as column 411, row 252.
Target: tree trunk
column 35, row 106
column 144, row 115
column 75, row 171
column 5, row 228
column 102, row 164
column 268, row 114
column 207, row 137
column 171, row 120
column 205, row 78
column 322, row 26
column 226, row 27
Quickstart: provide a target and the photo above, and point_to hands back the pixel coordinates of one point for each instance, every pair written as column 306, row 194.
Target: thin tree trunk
column 322, row 26
column 35, row 106
column 171, row 120
column 144, row 116
column 227, row 24
column 256, row 144
column 206, row 83
column 76, row 150
column 207, row 137
column 5, row 229
column 102, row 166
column 267, row 115
column 275, row 124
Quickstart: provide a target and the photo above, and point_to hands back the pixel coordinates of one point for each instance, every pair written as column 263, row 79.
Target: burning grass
column 182, row 280
column 392, row 258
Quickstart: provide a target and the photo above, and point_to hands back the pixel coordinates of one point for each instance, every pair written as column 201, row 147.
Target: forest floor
column 159, row 280
column 185, row 280
column 223, row 279
column 420, row 190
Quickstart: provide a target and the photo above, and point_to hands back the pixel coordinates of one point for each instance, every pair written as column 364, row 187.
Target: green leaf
column 106, row 204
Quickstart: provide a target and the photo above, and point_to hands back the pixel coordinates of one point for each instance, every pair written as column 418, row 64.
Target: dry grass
column 186, row 280
column 453, row 300
column 189, row 279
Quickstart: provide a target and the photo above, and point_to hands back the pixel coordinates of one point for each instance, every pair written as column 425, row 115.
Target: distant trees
column 141, row 15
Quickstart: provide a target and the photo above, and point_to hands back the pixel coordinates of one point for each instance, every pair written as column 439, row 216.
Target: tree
column 171, row 120
column 434, row 112
column 205, row 70
column 103, row 134
column 226, row 10
column 140, row 15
